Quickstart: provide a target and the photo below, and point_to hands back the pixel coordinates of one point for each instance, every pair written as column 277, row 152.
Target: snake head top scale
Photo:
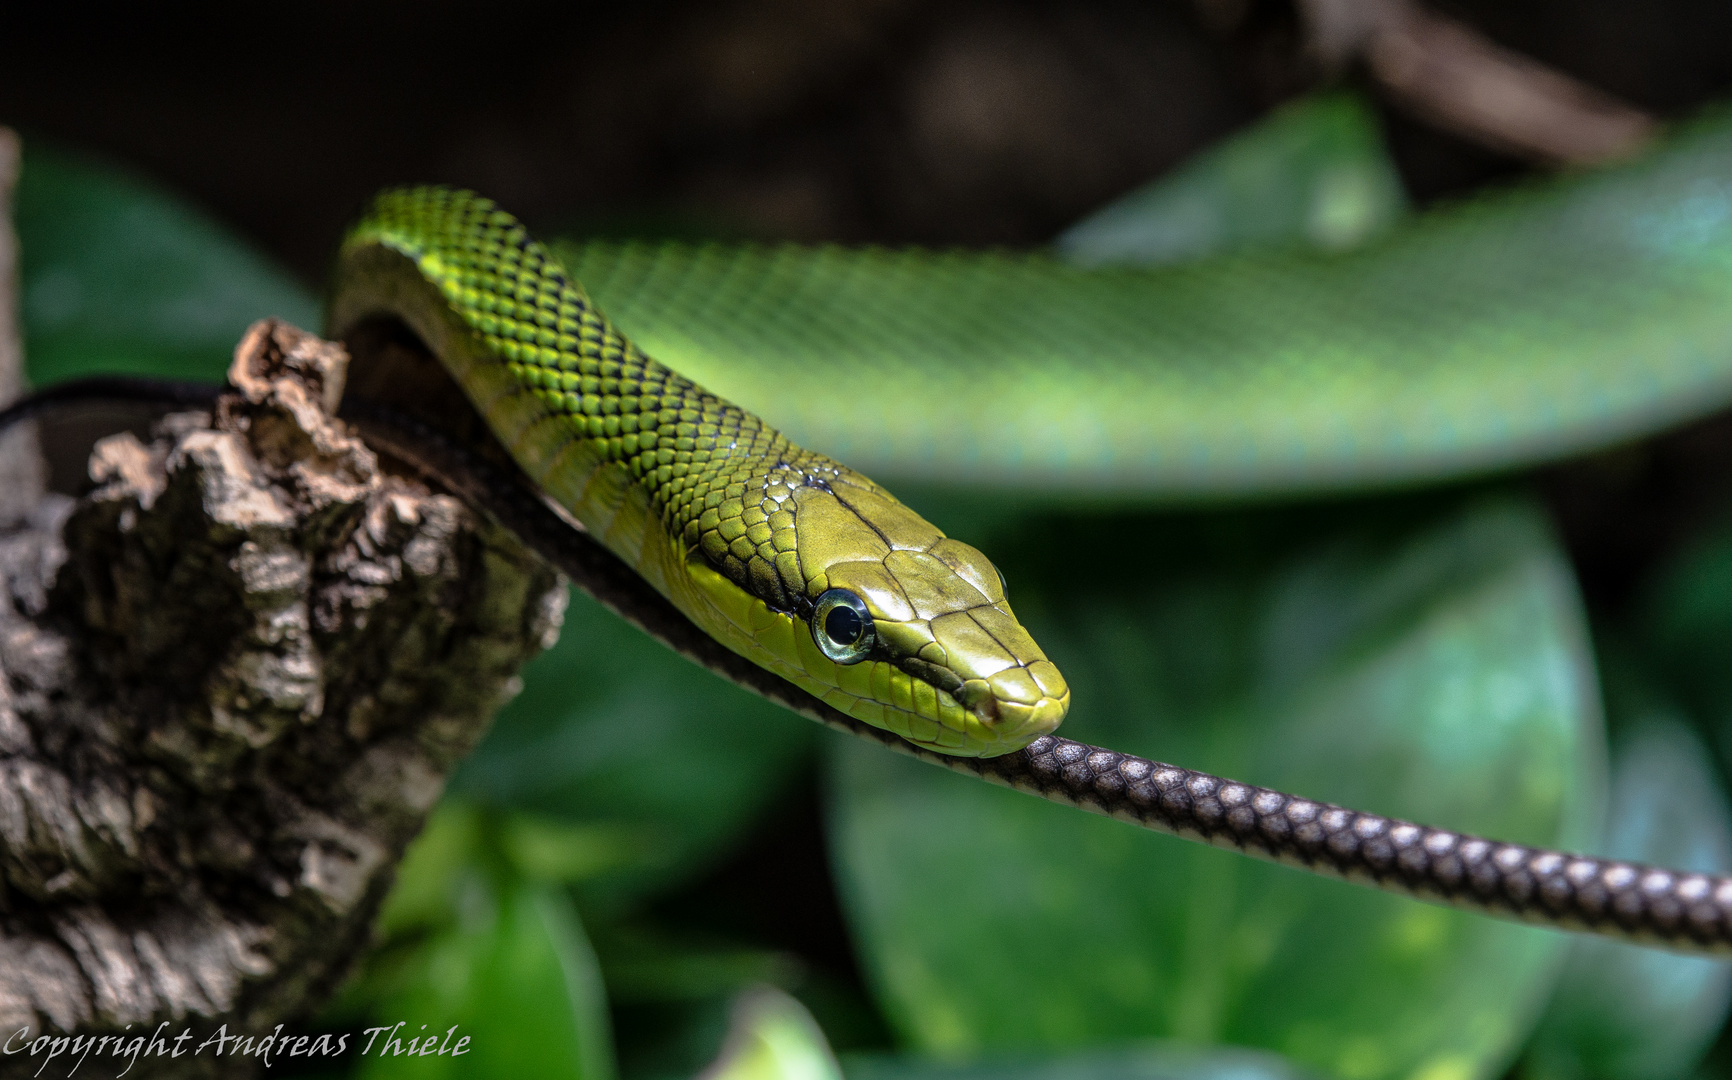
column 790, row 559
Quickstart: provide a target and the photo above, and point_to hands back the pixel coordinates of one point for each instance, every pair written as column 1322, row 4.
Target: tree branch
column 233, row 679
column 22, row 472
column 1449, row 74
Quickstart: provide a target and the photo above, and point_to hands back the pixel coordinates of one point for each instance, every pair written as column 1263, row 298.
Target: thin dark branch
column 1449, row 74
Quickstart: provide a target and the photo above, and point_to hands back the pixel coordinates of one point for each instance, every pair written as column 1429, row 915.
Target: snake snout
column 1011, row 693
column 1021, row 702
column 1008, row 685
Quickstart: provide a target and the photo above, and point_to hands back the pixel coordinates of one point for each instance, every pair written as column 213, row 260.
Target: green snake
column 794, row 561
column 804, row 580
column 1499, row 333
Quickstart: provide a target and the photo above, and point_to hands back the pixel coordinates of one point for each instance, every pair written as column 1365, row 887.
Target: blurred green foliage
column 773, row 1038
column 118, row 276
column 1424, row 655
column 1150, row 1061
column 479, row 941
column 1620, row 1010
column 663, row 762
column 1313, row 172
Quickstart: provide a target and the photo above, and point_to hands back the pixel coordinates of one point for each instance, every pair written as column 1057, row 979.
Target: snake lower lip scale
column 704, row 524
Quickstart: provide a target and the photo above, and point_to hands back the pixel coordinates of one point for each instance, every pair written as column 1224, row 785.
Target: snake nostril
column 977, row 697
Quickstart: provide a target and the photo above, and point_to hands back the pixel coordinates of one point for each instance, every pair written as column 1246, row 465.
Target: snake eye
column 842, row 626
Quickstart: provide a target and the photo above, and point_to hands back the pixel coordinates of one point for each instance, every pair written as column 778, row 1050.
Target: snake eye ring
column 842, row 626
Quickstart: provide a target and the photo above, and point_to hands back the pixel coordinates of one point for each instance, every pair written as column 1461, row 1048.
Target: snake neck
column 582, row 409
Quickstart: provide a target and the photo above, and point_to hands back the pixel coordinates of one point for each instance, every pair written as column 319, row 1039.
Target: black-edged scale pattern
column 718, row 476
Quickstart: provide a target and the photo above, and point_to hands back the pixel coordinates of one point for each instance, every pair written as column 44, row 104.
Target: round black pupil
column 843, row 624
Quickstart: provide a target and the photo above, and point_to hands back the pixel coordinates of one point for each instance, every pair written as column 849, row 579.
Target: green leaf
column 517, row 979
column 119, row 276
column 1153, row 1061
column 429, row 876
column 1314, row 172
column 773, row 1037
column 1435, row 671
column 663, row 762
column 1623, row 1012
column 1685, row 632
column 645, row 963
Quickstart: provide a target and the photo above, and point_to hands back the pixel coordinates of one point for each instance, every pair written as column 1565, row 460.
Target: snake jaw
column 1003, row 692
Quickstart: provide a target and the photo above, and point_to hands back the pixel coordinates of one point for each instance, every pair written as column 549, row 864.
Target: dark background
column 940, row 121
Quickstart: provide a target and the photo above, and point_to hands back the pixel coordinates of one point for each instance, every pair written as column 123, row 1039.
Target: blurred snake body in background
column 1554, row 319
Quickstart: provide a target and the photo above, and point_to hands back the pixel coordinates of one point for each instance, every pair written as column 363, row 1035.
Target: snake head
column 913, row 630
column 821, row 576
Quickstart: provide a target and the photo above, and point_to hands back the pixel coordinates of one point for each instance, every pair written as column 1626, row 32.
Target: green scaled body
column 584, row 401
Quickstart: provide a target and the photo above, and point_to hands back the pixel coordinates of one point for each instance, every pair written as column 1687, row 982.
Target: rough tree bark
column 21, row 467
column 233, row 678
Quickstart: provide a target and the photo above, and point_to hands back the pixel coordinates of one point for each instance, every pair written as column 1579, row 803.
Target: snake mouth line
column 976, row 696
